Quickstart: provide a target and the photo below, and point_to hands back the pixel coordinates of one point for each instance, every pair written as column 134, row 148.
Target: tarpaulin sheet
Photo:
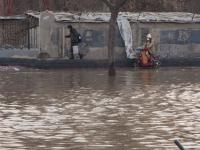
column 126, row 33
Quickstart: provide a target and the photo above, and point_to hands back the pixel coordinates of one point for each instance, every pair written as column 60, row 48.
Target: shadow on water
column 86, row 109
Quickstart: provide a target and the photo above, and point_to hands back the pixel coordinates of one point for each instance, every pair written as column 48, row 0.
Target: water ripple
column 60, row 110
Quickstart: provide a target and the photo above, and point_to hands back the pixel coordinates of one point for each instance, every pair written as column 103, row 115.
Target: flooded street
column 86, row 110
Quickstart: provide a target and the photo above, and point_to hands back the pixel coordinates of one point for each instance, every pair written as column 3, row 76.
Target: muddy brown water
column 82, row 109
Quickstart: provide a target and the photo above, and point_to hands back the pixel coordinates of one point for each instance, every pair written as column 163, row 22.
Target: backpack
column 79, row 38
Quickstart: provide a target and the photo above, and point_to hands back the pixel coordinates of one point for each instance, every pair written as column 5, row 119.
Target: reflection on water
column 85, row 109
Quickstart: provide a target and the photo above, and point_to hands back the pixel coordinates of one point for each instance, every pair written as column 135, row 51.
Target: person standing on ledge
column 75, row 40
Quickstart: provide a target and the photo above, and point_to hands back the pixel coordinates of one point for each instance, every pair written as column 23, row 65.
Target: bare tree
column 114, row 6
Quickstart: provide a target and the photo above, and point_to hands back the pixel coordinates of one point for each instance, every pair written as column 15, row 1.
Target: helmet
column 149, row 36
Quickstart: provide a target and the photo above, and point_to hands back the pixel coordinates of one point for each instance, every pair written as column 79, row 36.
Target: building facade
column 176, row 35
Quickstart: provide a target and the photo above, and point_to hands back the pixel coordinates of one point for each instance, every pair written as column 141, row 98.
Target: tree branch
column 120, row 3
column 109, row 4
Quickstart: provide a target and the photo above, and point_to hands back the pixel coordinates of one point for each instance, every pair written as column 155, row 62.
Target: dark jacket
column 74, row 37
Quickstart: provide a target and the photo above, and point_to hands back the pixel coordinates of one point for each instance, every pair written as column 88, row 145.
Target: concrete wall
column 172, row 40
column 92, row 47
column 49, row 35
column 95, row 39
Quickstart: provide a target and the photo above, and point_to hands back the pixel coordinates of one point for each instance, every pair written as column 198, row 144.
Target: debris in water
column 9, row 68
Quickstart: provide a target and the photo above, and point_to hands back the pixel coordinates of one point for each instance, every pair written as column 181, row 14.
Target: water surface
column 84, row 109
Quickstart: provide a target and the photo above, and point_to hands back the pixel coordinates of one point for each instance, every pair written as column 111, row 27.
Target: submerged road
column 78, row 109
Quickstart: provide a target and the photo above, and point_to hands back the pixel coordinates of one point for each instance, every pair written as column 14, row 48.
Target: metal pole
column 63, row 43
column 179, row 145
column 29, row 45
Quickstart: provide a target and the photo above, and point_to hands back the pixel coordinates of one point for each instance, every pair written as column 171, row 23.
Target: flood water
column 84, row 109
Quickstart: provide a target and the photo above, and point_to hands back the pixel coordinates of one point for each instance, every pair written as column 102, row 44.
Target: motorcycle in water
column 147, row 60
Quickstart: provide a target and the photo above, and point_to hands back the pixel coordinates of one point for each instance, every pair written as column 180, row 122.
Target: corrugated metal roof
column 173, row 17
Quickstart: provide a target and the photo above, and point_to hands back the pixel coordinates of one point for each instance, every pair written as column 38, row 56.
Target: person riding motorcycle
column 148, row 47
column 147, row 52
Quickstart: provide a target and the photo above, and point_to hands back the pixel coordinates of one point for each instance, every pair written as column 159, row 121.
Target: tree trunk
column 111, row 42
column 114, row 9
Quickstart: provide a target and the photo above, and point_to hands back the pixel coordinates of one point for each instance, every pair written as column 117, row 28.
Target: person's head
column 69, row 26
column 149, row 37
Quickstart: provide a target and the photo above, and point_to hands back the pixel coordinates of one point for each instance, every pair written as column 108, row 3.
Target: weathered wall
column 172, row 40
column 49, row 35
column 92, row 47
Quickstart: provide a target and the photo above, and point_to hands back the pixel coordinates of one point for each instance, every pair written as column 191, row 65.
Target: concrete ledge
column 64, row 63
column 59, row 63
column 181, row 62
column 18, row 53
